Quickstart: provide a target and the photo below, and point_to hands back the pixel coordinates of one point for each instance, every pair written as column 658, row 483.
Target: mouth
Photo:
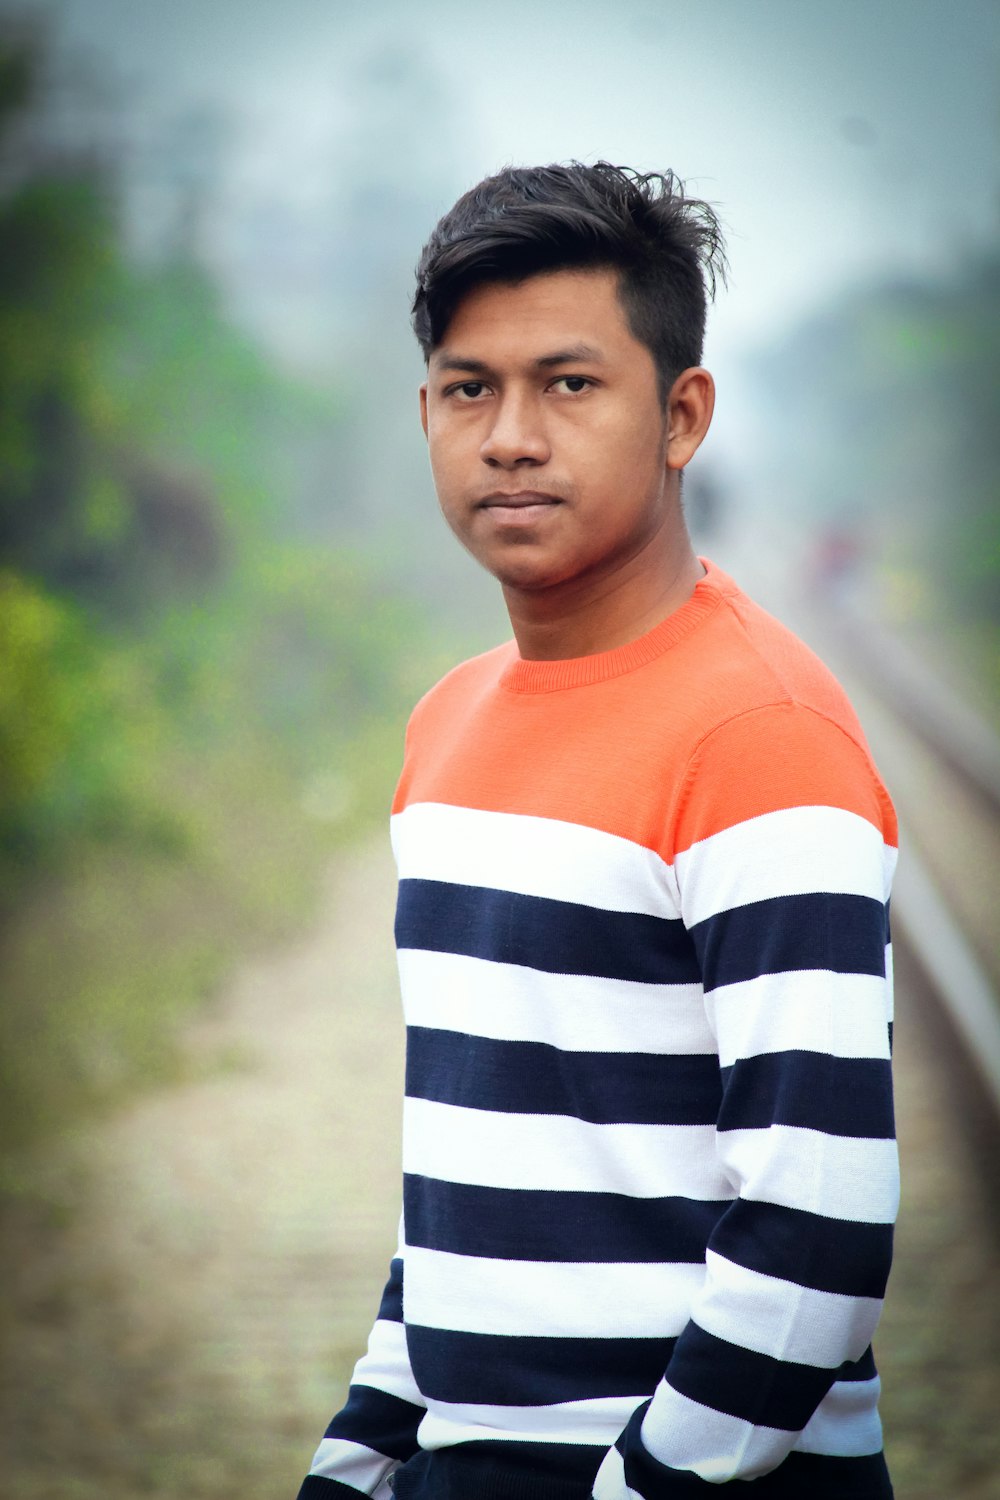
column 520, row 505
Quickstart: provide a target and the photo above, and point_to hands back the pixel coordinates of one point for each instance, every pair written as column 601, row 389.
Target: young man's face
column 548, row 438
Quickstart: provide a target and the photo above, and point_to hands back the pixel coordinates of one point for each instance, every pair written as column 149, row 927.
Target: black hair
column 667, row 248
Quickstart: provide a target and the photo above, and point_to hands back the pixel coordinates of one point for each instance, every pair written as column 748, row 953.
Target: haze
column 840, row 141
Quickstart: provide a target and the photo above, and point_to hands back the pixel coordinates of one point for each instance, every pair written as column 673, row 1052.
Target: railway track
column 941, row 763
column 954, row 941
column 956, row 958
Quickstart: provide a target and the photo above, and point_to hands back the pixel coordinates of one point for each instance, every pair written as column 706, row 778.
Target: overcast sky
column 840, row 140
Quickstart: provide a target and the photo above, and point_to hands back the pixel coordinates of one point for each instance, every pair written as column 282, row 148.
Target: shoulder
column 744, row 658
column 772, row 729
column 774, row 758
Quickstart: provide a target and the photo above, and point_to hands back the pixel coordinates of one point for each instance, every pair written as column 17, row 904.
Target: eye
column 468, row 390
column 574, row 384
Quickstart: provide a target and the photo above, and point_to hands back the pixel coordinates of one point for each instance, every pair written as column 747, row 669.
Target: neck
column 586, row 615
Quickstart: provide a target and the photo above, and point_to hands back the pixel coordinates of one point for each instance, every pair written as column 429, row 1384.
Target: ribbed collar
column 523, row 676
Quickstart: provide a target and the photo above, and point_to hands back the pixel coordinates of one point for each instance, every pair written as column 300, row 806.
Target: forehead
column 553, row 309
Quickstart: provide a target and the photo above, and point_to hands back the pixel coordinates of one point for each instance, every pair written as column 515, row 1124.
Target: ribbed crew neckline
column 527, row 676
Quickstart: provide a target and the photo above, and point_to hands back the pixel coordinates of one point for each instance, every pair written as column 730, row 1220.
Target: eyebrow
column 573, row 354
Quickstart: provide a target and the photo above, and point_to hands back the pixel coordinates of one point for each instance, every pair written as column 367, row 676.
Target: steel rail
column 932, row 711
column 965, row 992
column 950, row 963
column 940, row 716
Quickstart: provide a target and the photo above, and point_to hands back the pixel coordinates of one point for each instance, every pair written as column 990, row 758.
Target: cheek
column 449, row 453
column 450, row 497
column 632, row 436
column 441, row 467
column 627, row 461
column 450, row 485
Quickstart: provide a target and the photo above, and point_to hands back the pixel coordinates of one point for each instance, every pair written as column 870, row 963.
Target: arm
column 377, row 1429
column 785, row 846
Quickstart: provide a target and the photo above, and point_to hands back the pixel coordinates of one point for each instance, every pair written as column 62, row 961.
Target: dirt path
column 183, row 1315
column 938, row 1345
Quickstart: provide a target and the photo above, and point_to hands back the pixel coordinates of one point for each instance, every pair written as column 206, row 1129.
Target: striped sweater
column 649, row 1166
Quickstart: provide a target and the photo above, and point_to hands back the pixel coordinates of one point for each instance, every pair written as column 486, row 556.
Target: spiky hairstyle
column 666, row 247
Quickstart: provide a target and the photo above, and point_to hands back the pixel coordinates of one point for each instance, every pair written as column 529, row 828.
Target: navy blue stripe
column 388, row 1424
column 391, row 1306
column 801, row 1476
column 844, row 934
column 525, row 1224
column 765, row 1391
column 318, row 1487
column 824, row 1477
column 500, row 1370
column 858, row 1369
column 848, row 1096
column 639, row 1088
column 502, row 1470
column 558, row 937
column 829, row 1255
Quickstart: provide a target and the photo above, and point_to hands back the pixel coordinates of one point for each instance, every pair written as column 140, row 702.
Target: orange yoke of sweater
column 716, row 710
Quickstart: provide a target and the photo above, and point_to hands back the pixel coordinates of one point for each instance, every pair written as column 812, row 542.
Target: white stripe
column 597, row 1421
column 846, row 1422
column 840, row 1176
column 609, row 1482
column 386, row 1366
column 352, row 1463
column 842, row 1015
column 845, row 1425
column 474, row 1294
column 788, row 853
column 553, row 1152
column 576, row 1012
column 533, row 856
column 783, row 1319
column 684, row 1434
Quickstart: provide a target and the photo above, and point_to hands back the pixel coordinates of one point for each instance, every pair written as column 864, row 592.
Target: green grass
column 103, row 962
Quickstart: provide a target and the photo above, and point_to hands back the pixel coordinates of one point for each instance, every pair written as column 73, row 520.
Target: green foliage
column 196, row 701
column 55, row 260
column 196, row 391
column 79, row 724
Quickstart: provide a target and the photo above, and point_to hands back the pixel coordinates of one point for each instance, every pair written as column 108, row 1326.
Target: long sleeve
column 376, row 1430
column 785, row 849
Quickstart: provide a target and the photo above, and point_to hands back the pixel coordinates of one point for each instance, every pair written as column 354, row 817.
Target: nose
column 517, row 435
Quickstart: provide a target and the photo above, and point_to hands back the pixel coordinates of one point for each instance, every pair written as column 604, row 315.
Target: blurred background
column 223, row 583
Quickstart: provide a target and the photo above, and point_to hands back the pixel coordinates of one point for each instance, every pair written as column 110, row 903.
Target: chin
column 526, row 579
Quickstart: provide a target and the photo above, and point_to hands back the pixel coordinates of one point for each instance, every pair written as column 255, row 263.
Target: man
column 644, row 864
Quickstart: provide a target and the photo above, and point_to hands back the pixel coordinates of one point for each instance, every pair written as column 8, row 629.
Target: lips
column 521, row 500
column 518, row 514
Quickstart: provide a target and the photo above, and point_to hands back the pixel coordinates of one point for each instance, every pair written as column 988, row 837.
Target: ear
column 689, row 414
column 423, row 407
